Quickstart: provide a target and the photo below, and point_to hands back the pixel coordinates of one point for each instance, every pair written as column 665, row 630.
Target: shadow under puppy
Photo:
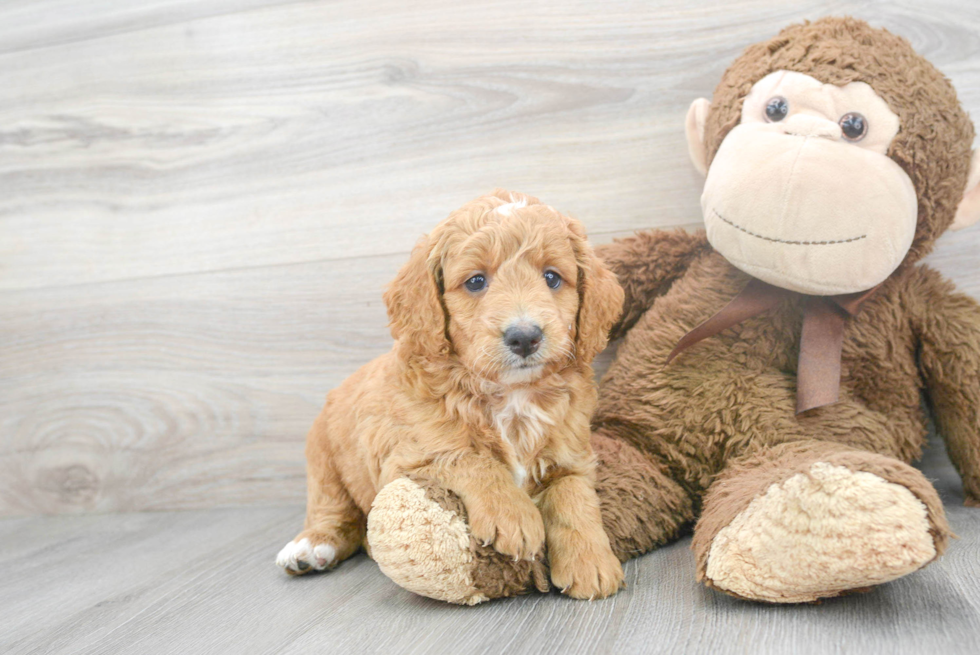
column 488, row 393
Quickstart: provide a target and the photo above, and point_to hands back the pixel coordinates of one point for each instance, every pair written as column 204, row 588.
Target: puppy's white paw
column 299, row 557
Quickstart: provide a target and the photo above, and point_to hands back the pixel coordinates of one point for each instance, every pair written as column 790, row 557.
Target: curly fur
column 450, row 403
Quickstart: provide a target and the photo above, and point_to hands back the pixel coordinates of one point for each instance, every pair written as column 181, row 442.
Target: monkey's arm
column 646, row 264
column 949, row 331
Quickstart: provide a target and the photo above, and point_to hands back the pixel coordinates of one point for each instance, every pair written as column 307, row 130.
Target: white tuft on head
column 508, row 209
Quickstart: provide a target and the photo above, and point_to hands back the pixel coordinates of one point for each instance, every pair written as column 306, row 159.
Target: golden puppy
column 488, row 390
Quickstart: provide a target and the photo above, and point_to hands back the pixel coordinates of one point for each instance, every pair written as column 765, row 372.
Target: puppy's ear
column 600, row 298
column 416, row 315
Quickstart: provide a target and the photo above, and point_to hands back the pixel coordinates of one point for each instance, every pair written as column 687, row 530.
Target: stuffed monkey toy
column 768, row 386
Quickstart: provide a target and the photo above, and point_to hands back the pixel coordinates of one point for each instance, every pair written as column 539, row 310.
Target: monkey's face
column 802, row 193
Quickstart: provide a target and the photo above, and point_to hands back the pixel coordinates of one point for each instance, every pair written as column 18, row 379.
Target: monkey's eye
column 552, row 279
column 853, row 125
column 777, row 108
column 476, row 283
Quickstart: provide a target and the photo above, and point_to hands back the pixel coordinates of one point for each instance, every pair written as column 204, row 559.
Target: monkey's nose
column 523, row 340
column 806, row 125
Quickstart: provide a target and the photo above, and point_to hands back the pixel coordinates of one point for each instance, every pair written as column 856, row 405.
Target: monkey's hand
column 948, row 326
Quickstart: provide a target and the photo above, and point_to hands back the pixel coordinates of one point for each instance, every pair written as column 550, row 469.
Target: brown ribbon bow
column 818, row 371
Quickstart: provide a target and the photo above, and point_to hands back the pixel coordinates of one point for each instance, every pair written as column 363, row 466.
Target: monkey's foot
column 419, row 536
column 819, row 533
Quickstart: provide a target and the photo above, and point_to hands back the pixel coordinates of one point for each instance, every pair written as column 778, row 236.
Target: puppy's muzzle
column 523, row 340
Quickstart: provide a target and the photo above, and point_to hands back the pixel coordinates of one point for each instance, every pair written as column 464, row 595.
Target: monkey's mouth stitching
column 792, row 243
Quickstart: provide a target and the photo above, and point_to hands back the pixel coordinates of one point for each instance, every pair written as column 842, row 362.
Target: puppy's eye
column 776, row 109
column 552, row 279
column 854, row 126
column 476, row 283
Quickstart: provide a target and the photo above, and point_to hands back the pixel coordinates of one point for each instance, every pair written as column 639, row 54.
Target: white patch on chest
column 520, row 475
column 522, row 423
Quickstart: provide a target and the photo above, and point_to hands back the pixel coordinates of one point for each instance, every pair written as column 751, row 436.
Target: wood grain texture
column 203, row 581
column 201, row 202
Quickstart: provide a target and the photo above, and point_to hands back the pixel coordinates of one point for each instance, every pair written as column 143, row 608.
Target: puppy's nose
column 523, row 340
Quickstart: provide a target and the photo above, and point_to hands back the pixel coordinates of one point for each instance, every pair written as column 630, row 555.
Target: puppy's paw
column 306, row 553
column 586, row 573
column 513, row 525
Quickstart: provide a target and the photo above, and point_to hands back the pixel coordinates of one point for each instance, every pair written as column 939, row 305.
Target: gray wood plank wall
column 200, row 203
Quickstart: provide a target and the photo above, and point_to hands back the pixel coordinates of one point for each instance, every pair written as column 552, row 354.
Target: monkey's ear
column 968, row 210
column 697, row 114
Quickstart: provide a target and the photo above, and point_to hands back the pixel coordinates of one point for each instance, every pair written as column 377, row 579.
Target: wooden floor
column 204, row 581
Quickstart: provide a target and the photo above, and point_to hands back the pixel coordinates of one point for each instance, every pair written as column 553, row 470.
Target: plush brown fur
column 712, row 431
column 722, row 416
column 452, row 403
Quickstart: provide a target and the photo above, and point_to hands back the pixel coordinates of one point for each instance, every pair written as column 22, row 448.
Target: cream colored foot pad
column 421, row 546
column 821, row 533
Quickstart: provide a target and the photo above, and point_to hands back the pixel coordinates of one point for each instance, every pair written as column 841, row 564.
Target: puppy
column 488, row 390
